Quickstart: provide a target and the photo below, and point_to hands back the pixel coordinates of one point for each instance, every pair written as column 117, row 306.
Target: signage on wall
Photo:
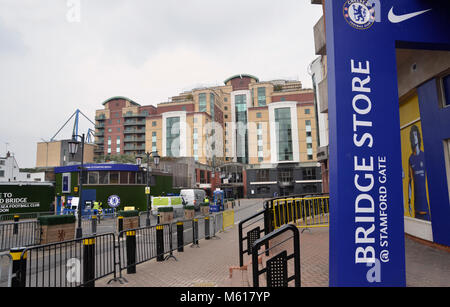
column 9, row 201
column 66, row 183
column 114, row 201
column 366, row 215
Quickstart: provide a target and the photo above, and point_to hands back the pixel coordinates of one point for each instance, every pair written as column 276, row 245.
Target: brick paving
column 208, row 265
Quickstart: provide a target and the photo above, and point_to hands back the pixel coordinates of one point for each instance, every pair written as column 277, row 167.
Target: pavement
column 209, row 264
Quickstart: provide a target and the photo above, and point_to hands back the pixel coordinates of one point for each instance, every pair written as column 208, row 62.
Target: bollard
column 94, row 224
column 160, row 243
column 158, row 218
column 180, row 238
column 16, row 225
column 131, row 252
column 195, row 232
column 89, row 262
column 19, row 267
column 207, row 228
column 120, row 219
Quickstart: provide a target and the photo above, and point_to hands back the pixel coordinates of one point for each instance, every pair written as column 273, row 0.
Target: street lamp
column 156, row 158
column 73, row 148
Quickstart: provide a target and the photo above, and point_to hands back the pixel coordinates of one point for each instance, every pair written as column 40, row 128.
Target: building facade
column 257, row 124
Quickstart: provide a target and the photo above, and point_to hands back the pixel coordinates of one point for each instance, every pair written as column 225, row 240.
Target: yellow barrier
column 304, row 212
column 228, row 219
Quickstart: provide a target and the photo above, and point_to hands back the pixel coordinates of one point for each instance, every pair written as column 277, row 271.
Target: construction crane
column 90, row 133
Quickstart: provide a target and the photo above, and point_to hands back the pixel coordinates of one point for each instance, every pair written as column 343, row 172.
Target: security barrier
column 305, row 212
column 228, row 219
column 72, row 263
column 80, row 262
column 14, row 234
column 6, row 270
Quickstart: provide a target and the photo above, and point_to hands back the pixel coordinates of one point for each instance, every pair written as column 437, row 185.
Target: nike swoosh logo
column 399, row 18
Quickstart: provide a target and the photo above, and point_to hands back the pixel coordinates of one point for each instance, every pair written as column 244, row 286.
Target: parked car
column 193, row 197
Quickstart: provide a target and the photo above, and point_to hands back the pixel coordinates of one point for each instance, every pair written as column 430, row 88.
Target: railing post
column 19, row 267
column 89, row 262
column 207, row 228
column 160, row 243
column 120, row 222
column 16, row 225
column 94, row 224
column 131, row 251
column 180, row 238
column 195, row 232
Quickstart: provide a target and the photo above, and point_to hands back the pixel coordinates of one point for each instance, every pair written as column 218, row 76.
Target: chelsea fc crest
column 359, row 14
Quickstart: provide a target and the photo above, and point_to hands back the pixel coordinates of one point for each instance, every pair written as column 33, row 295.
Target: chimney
column 8, row 154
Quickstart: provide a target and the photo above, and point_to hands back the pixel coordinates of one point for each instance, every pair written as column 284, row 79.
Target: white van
column 193, row 197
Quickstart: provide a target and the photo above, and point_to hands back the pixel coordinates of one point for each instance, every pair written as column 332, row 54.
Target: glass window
column 211, row 104
column 241, row 131
column 172, row 136
column 307, row 111
column 310, row 157
column 202, row 102
column 2, row 173
column 308, row 123
column 284, row 134
column 2, row 162
column 124, row 177
column 258, row 115
column 114, row 177
column 103, row 178
column 261, row 96
column 154, row 124
column 93, row 178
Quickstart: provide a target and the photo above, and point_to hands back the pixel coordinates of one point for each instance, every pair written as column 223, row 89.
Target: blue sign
column 366, row 212
column 114, row 201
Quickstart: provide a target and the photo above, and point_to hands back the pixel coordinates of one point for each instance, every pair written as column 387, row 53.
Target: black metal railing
column 71, row 263
column 22, row 233
column 276, row 269
column 262, row 219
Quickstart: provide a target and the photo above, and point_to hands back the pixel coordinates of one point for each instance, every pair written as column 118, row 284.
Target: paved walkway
column 208, row 265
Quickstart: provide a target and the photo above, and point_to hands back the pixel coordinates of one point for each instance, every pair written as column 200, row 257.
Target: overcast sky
column 57, row 56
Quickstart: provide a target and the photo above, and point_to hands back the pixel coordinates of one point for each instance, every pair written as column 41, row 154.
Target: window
column 284, row 134
column 310, row 157
column 109, row 130
column 225, row 99
column 211, row 104
column 153, row 123
column 118, row 140
column 445, row 90
column 258, row 115
column 308, row 174
column 225, row 108
column 262, row 175
column 117, row 114
column 118, row 121
column 118, row 129
column 124, row 177
column 226, row 116
column 307, row 111
column 283, row 98
column 2, row 173
column 261, row 96
column 154, row 133
column 202, row 102
column 103, row 177
column 93, row 177
column 286, row 175
column 114, row 177
column 2, row 162
column 308, row 123
column 172, row 136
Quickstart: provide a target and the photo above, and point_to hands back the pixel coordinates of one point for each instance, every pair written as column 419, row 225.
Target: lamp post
column 73, row 148
column 156, row 161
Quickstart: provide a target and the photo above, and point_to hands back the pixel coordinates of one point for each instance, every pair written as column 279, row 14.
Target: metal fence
column 6, row 263
column 23, row 216
column 67, row 264
column 24, row 233
column 81, row 262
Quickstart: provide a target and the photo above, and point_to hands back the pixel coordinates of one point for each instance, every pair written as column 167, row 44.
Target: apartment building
column 248, row 122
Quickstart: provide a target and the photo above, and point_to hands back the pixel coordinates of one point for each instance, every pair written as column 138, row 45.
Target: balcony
column 134, row 115
column 100, row 133
column 134, row 123
column 134, row 139
column 134, row 131
column 320, row 37
column 100, row 117
column 134, row 147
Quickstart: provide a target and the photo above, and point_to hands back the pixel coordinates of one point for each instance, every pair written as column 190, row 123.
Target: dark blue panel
column 98, row 167
column 436, row 128
column 364, row 124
